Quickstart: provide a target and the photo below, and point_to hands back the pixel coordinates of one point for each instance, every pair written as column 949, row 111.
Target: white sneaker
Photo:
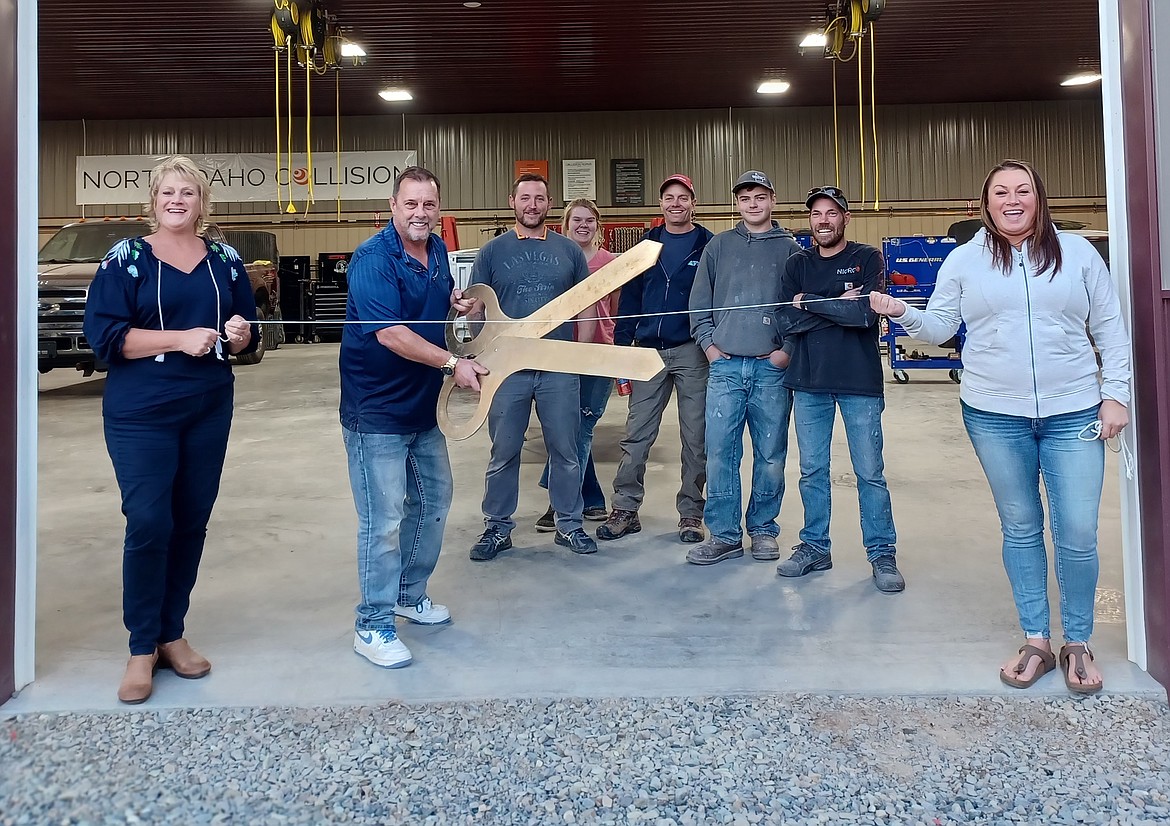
column 382, row 648
column 425, row 613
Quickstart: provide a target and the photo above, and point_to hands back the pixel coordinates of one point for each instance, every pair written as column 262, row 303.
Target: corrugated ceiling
column 135, row 59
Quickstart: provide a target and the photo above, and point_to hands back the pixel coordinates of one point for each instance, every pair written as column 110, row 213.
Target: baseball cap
column 678, row 179
column 752, row 178
column 831, row 192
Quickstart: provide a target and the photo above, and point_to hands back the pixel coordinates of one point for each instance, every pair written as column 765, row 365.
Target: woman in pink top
column 582, row 223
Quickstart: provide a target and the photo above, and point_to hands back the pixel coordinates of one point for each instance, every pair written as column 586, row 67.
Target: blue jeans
column 595, row 393
column 1016, row 452
column 168, row 463
column 402, row 490
column 862, row 415
column 558, row 408
column 747, row 391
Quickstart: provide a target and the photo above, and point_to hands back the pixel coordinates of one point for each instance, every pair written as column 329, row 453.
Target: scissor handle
column 457, row 431
column 479, row 342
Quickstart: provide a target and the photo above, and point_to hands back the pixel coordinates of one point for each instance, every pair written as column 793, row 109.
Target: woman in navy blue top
column 165, row 312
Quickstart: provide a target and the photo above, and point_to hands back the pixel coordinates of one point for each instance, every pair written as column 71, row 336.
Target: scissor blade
column 508, row 354
column 568, row 304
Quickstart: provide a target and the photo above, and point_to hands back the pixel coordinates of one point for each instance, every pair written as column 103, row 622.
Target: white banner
column 123, row 179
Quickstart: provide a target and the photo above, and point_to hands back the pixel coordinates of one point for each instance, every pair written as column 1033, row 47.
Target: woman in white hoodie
column 1033, row 403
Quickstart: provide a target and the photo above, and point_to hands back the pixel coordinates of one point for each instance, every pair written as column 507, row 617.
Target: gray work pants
column 557, row 397
column 686, row 372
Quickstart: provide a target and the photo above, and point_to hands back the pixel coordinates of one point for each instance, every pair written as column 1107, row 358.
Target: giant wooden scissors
column 507, row 348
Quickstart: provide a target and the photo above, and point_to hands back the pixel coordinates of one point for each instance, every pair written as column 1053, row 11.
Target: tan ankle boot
column 183, row 659
column 138, row 681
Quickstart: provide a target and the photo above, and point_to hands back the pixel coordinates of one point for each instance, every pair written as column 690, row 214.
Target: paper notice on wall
column 579, row 179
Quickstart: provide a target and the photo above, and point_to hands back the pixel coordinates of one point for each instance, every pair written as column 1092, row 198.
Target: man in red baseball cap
column 664, row 288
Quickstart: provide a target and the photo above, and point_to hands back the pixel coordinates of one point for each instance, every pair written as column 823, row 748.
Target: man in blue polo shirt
column 391, row 373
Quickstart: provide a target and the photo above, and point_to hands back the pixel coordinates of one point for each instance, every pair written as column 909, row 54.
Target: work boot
column 619, row 524
column 765, row 548
column 138, row 682
column 490, row 543
column 690, row 529
column 804, row 560
column 713, row 551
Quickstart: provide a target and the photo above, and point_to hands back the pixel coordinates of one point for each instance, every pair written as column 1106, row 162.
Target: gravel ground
column 737, row 760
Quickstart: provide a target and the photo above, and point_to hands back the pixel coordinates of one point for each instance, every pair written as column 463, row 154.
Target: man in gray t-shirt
column 528, row 272
column 528, row 267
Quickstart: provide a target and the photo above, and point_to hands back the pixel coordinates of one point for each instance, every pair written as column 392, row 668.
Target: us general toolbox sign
column 124, row 179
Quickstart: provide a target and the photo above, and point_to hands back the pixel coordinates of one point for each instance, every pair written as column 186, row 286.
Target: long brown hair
column 1045, row 246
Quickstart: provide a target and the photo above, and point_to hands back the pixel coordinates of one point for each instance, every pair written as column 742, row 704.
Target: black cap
column 831, row 192
column 752, row 178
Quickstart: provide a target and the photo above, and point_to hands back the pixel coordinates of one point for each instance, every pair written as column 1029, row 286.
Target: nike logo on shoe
column 366, row 637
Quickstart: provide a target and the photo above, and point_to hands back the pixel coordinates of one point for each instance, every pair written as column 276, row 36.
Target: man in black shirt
column 835, row 364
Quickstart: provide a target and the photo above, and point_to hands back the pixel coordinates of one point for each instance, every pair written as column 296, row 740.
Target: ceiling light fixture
column 773, row 87
column 1081, row 80
column 395, row 94
column 814, row 40
column 472, row 5
column 350, row 49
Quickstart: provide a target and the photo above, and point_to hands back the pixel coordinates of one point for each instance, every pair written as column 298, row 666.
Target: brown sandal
column 1077, row 651
column 1047, row 663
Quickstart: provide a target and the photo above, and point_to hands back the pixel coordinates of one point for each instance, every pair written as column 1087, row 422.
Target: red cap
column 678, row 179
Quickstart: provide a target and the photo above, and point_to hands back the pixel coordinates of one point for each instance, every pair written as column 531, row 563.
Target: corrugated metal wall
column 926, row 153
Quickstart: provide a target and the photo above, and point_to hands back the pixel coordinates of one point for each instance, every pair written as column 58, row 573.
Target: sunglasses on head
column 831, row 191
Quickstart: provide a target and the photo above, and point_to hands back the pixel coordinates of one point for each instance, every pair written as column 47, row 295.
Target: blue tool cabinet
column 920, row 258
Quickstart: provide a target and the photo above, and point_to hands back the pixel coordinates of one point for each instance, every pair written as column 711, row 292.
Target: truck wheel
column 279, row 336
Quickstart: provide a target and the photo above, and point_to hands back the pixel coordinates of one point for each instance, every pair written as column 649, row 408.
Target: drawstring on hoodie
column 158, row 298
column 219, row 340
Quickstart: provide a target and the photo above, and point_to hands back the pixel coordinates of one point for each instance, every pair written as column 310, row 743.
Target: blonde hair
column 585, row 203
column 186, row 168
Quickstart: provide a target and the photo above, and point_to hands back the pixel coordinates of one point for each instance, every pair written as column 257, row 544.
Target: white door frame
column 28, row 165
column 1119, row 264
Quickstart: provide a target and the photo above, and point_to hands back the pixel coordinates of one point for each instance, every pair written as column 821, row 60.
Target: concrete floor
column 273, row 608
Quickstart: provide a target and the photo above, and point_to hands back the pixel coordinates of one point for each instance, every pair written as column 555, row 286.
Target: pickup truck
column 67, row 264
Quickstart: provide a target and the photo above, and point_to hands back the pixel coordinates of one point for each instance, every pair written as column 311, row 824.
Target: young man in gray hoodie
column 742, row 267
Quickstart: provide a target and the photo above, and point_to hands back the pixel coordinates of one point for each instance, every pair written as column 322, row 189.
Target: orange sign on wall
column 535, row 167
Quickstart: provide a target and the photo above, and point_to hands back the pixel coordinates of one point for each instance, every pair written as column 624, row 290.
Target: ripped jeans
column 595, row 393
column 745, row 391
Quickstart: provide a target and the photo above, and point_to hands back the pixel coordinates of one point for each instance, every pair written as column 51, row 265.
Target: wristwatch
column 449, row 368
